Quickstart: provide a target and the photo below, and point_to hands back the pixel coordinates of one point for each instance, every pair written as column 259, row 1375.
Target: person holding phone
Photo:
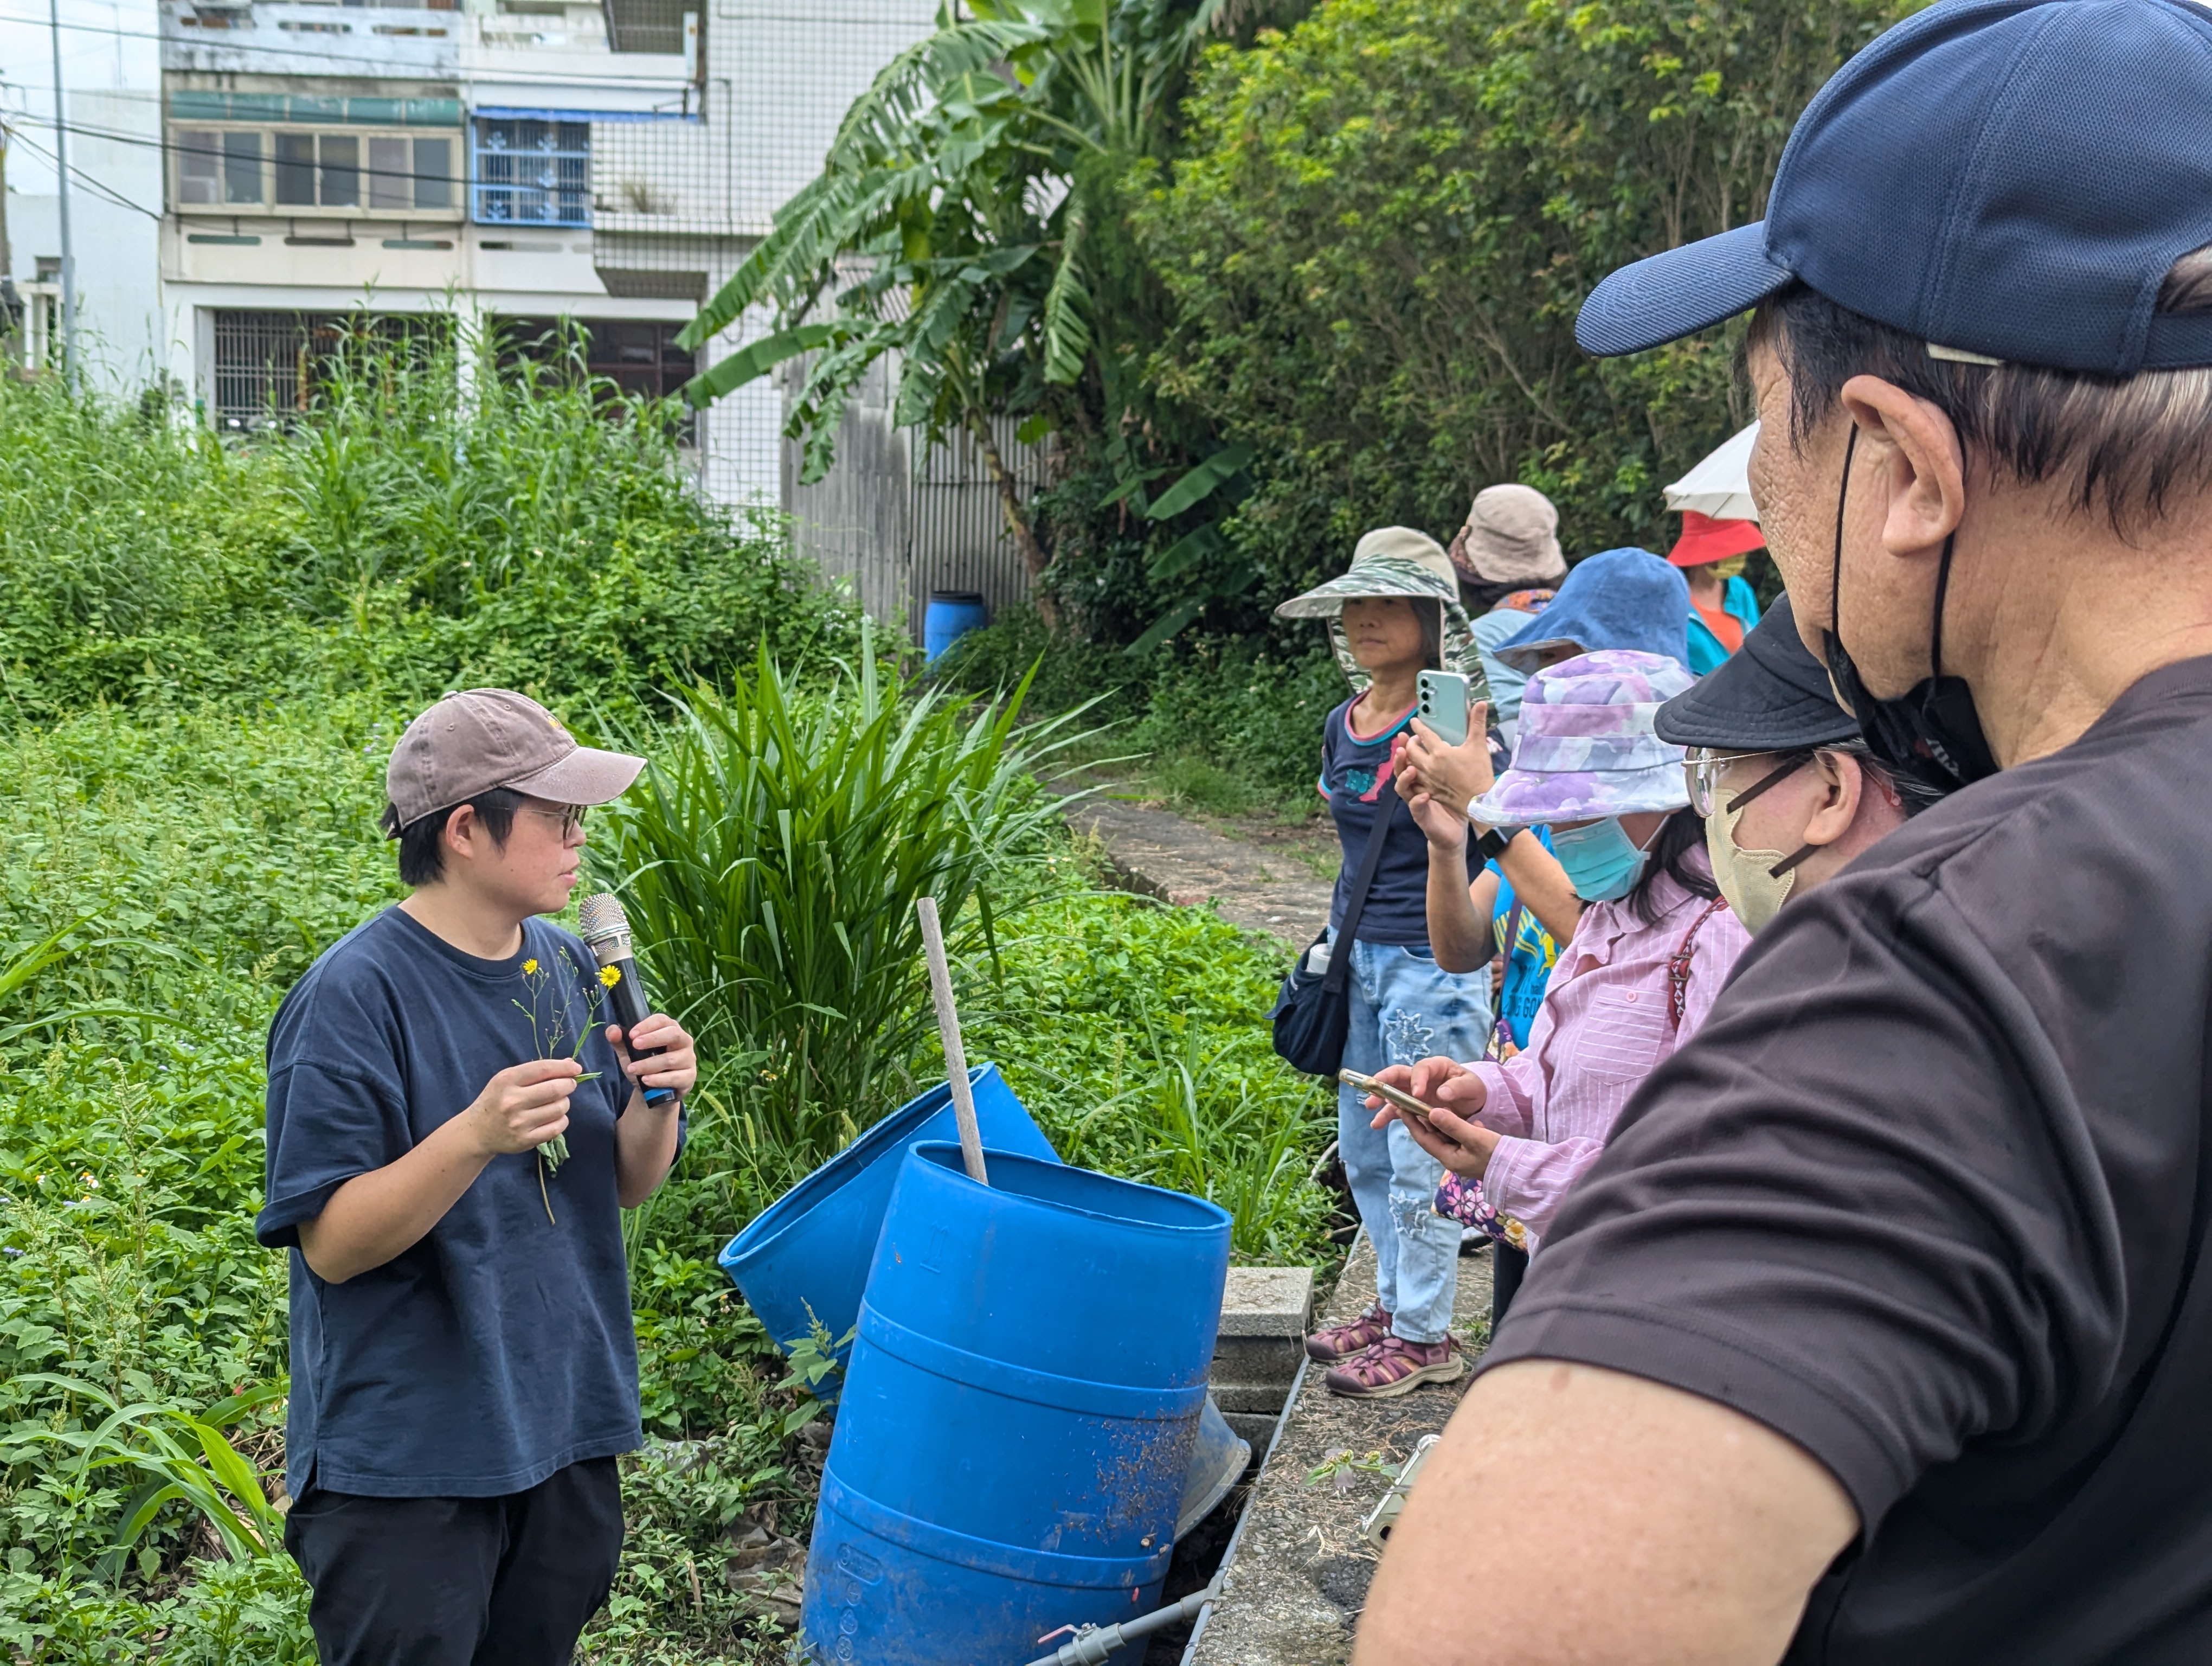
column 1654, row 942
column 1393, row 615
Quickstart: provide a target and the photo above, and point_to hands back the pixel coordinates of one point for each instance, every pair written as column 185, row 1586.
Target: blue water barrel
column 1020, row 1413
column 810, row 1248
column 950, row 615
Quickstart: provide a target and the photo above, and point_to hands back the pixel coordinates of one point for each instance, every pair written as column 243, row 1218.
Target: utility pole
column 61, row 177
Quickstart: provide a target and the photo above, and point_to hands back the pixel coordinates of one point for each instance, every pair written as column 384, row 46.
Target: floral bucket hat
column 1587, row 746
column 1396, row 561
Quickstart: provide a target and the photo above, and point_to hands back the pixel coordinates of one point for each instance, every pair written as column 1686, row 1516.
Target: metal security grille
column 267, row 365
column 649, row 26
column 530, row 173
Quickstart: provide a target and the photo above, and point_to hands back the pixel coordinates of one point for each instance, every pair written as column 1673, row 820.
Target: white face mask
column 1756, row 883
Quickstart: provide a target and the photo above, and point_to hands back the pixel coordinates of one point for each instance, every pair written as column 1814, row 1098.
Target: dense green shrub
column 1381, row 226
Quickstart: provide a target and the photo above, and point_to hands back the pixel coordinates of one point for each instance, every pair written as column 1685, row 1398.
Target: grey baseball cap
column 469, row 742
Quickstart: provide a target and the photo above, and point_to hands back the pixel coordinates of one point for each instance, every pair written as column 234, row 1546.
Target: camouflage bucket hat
column 1588, row 747
column 1396, row 561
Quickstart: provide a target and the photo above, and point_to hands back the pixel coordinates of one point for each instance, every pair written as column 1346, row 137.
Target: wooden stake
column 948, row 1031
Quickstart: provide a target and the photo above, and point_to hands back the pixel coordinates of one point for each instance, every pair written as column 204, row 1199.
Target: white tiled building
column 525, row 159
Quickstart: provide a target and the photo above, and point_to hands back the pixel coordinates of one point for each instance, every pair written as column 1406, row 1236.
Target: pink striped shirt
column 1606, row 1022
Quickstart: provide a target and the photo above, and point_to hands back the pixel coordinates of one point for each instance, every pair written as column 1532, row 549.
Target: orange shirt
column 1724, row 625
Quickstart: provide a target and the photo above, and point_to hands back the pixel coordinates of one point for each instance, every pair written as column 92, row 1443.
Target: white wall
column 111, row 71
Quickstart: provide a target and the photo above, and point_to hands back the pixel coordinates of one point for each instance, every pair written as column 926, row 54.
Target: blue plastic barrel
column 810, row 1248
column 950, row 615
column 1019, row 1415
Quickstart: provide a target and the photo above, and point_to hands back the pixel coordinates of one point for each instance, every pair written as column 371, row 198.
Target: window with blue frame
column 531, row 172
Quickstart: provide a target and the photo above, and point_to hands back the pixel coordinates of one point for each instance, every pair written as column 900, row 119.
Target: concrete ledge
column 1268, row 1301
column 1297, row 1571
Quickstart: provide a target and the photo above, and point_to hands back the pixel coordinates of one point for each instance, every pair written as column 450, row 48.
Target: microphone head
column 599, row 918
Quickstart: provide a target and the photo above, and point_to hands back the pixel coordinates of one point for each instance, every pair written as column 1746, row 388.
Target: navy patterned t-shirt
column 1355, row 774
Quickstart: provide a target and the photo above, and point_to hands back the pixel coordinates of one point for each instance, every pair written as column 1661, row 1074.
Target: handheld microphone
column 606, row 930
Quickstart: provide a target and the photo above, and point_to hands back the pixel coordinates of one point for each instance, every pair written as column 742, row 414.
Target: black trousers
column 1508, row 1265
column 507, row 1581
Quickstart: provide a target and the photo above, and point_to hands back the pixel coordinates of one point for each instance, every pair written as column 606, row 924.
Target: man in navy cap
column 1882, row 1332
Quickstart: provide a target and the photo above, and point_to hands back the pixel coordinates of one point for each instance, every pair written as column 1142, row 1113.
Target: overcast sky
column 107, row 46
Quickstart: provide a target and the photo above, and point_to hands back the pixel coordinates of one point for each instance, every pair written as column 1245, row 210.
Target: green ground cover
column 192, row 749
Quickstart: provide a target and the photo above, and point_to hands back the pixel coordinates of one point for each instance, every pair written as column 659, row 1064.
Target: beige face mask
column 1756, row 883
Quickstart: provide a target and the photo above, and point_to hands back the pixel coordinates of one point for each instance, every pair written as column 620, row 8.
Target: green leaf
column 1186, row 552
column 1164, row 627
column 728, row 374
column 1200, row 482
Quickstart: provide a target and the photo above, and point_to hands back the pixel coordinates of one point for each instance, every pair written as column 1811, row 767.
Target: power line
column 358, row 60
column 104, row 189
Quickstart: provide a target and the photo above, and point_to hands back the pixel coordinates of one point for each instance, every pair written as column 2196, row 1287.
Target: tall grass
column 771, row 857
column 432, row 518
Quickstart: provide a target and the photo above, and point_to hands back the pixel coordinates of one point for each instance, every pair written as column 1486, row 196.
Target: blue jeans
column 1404, row 1008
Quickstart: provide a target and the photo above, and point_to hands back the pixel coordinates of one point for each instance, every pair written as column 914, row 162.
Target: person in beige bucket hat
column 453, row 1135
column 1509, row 565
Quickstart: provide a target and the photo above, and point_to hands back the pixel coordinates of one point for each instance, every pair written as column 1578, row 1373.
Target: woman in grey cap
column 1508, row 559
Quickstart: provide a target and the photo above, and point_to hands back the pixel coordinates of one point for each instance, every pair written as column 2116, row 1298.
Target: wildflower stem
column 542, row 1193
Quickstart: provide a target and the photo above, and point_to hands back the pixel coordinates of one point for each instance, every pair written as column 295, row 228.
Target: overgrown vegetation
column 404, row 540
column 183, row 842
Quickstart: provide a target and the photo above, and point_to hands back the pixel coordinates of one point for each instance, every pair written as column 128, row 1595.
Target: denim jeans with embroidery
column 1405, row 1008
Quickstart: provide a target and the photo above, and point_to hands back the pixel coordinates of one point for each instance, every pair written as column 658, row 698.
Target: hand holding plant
column 525, row 1105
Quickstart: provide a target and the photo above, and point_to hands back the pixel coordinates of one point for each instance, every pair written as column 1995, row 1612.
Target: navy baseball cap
column 1771, row 695
column 2006, row 180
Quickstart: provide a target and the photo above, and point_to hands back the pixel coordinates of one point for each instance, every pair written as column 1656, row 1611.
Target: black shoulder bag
column 1314, row 1010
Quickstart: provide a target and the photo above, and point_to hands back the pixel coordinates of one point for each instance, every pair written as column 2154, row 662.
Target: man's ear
column 463, row 829
column 1843, row 785
column 1909, row 446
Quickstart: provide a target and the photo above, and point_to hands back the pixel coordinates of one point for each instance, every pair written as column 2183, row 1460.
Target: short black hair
column 422, row 841
column 1681, row 833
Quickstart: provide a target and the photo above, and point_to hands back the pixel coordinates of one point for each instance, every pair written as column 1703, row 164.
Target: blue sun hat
column 1588, row 746
column 1618, row 599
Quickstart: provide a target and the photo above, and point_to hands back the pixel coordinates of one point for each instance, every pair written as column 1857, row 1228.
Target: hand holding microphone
column 660, row 1056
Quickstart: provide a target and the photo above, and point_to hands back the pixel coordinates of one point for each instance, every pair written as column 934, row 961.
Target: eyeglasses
column 1702, row 769
column 570, row 816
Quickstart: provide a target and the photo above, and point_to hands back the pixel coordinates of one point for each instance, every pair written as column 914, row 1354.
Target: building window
column 305, row 171
column 531, row 173
column 269, row 366
column 639, row 357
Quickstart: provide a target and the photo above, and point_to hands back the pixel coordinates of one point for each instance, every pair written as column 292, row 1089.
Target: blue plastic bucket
column 1020, row 1413
column 809, row 1250
column 949, row 616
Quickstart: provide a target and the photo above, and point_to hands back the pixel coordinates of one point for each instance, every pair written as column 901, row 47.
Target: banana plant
column 950, row 223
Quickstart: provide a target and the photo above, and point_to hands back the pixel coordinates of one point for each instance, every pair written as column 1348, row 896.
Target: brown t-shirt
column 1926, row 1195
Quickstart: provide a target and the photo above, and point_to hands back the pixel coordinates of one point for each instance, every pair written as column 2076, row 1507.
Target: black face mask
column 1931, row 733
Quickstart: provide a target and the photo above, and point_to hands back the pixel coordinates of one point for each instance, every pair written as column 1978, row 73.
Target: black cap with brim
column 1771, row 695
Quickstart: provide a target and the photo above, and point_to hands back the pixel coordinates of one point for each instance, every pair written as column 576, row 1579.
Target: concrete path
column 1299, row 1579
column 1163, row 855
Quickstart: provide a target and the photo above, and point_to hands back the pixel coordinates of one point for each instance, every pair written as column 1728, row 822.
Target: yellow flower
column 529, row 966
column 609, row 976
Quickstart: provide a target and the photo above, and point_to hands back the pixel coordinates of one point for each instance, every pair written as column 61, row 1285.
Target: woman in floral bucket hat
column 1648, row 958
column 1394, row 613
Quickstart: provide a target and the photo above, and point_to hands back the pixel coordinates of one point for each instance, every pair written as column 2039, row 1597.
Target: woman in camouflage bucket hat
column 1397, row 561
column 1646, row 961
column 1395, row 613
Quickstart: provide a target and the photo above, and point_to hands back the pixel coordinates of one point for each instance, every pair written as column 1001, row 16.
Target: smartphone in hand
column 1392, row 1096
column 1443, row 704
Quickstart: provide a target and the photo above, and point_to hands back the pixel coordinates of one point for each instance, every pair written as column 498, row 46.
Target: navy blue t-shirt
column 1354, row 776
column 500, row 1348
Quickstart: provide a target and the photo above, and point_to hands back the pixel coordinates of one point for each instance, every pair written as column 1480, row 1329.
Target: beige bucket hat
column 1512, row 537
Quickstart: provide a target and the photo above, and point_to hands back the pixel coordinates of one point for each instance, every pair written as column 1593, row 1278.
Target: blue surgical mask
column 1603, row 862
